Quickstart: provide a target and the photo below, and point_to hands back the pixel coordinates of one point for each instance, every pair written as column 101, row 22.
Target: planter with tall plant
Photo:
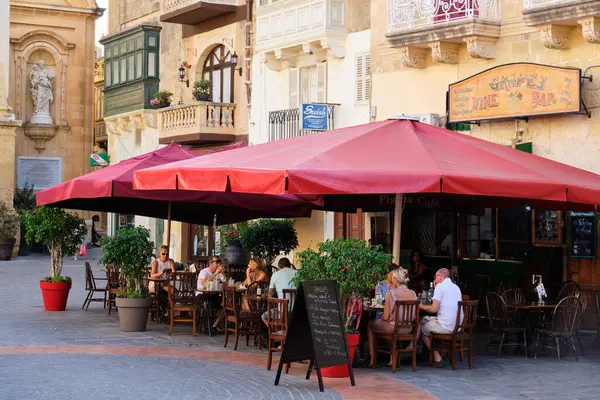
column 357, row 268
column 9, row 225
column 130, row 250
column 201, row 90
column 62, row 233
column 161, row 99
column 24, row 200
column 269, row 238
column 231, row 250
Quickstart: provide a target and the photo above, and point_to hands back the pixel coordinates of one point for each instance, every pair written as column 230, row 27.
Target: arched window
column 219, row 70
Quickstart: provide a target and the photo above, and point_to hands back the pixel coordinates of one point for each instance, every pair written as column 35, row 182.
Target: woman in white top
column 160, row 266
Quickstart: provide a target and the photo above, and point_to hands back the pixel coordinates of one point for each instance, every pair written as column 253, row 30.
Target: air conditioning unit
column 431, row 119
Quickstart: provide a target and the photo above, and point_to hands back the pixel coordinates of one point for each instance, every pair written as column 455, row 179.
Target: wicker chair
column 563, row 326
column 463, row 332
column 90, row 286
column 409, row 310
column 501, row 324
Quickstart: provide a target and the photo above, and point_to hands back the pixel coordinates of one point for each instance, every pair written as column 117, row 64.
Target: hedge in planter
column 62, row 233
column 9, row 224
column 130, row 249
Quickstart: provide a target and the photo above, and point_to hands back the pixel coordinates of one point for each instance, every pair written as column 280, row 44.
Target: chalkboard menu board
column 316, row 331
column 582, row 233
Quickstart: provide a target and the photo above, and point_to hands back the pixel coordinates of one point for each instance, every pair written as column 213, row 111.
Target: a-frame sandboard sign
column 316, row 331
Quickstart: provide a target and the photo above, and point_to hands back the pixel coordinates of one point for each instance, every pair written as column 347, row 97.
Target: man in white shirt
column 445, row 303
column 213, row 273
column 281, row 279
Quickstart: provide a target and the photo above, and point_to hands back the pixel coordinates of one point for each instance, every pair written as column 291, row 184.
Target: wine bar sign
column 515, row 91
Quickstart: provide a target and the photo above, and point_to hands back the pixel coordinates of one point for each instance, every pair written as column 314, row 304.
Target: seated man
column 281, row 280
column 213, row 273
column 445, row 303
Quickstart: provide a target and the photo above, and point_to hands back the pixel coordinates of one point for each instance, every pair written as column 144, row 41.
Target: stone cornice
column 97, row 11
column 129, row 122
column 564, row 12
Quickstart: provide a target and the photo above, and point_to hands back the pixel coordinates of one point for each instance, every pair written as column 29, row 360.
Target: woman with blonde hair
column 398, row 291
column 255, row 272
column 159, row 268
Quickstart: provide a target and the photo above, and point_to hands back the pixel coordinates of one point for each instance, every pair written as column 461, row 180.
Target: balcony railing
column 285, row 124
column 196, row 121
column 406, row 15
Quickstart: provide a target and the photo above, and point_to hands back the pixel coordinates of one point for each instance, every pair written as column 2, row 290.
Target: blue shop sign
column 314, row 117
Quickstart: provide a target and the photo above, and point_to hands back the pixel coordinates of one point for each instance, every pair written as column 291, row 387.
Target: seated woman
column 160, row 266
column 255, row 272
column 398, row 291
column 416, row 271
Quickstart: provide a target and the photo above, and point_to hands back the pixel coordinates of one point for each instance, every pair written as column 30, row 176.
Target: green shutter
column 527, row 147
column 459, row 126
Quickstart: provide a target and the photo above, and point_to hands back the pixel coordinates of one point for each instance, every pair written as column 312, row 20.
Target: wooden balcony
column 198, row 123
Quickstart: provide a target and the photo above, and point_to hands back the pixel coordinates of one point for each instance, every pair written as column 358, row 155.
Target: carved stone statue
column 41, row 94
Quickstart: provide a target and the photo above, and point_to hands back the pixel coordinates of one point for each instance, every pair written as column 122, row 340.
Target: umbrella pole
column 169, row 227
column 398, row 207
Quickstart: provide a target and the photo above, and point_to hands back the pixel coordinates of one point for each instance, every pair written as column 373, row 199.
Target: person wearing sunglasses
column 160, row 266
column 213, row 273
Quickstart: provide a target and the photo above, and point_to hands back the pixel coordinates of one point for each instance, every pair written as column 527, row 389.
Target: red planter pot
column 55, row 295
column 341, row 371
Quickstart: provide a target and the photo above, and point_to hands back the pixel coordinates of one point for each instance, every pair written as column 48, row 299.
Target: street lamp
column 234, row 61
column 182, row 79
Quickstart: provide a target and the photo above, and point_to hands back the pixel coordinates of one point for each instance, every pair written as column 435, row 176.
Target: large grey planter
column 133, row 313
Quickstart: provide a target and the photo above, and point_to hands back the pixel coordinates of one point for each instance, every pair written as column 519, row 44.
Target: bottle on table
column 258, row 291
column 424, row 297
column 430, row 293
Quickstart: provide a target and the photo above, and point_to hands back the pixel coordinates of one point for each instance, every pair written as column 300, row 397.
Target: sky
column 102, row 22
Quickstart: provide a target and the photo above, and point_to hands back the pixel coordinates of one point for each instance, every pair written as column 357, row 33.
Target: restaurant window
column 219, row 70
column 203, row 241
column 477, row 235
column 513, row 233
column 428, row 232
column 152, row 64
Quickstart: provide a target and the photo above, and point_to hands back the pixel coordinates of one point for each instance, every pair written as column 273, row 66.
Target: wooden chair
column 567, row 289
column 501, row 324
column 241, row 320
column 290, row 296
column 409, row 312
column 513, row 296
column 277, row 323
column 563, row 325
column 113, row 285
column 90, row 286
column 236, row 271
column 253, row 288
column 463, row 332
column 182, row 298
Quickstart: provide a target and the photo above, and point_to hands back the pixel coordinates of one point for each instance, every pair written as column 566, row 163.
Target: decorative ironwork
column 412, row 14
column 285, row 124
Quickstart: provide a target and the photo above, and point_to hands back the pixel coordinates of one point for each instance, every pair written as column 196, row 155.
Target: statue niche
column 42, row 82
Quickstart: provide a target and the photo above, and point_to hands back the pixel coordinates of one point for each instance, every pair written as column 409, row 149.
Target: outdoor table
column 158, row 282
column 527, row 311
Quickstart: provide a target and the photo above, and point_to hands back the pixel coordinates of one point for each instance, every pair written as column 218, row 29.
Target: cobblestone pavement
column 78, row 354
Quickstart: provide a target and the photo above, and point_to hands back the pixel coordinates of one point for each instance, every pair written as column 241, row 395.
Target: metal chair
column 90, row 286
column 563, row 325
column 501, row 324
column 408, row 310
column 463, row 332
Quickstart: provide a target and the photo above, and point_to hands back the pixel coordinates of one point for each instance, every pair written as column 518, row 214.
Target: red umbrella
column 393, row 156
column 110, row 189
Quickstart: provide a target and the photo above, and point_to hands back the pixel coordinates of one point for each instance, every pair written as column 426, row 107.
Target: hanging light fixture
column 182, row 79
column 234, row 61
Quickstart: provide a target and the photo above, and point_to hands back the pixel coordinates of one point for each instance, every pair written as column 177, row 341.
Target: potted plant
column 201, row 90
column 24, row 200
column 232, row 250
column 357, row 268
column 9, row 224
column 162, row 99
column 130, row 249
column 269, row 238
column 62, row 233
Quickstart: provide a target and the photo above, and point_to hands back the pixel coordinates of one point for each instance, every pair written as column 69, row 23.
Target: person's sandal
column 438, row 364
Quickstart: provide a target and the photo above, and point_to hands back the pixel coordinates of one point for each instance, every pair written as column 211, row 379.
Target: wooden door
column 352, row 226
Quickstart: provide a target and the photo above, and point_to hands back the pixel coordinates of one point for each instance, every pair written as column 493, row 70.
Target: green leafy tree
column 130, row 249
column 269, row 238
column 24, row 198
column 356, row 267
column 60, row 231
column 9, row 221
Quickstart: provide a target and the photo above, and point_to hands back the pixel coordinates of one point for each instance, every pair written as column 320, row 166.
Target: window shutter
column 322, row 82
column 293, row 88
column 363, row 78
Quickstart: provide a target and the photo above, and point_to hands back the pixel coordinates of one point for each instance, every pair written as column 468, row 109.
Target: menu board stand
column 582, row 234
column 316, row 332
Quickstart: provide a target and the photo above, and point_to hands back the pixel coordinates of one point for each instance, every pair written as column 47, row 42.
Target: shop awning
column 110, row 189
column 393, row 156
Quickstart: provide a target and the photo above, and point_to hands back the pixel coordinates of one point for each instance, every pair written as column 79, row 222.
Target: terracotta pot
column 55, row 295
column 341, row 371
column 133, row 313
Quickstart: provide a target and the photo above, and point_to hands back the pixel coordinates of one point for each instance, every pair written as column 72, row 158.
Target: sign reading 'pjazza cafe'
column 515, row 90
